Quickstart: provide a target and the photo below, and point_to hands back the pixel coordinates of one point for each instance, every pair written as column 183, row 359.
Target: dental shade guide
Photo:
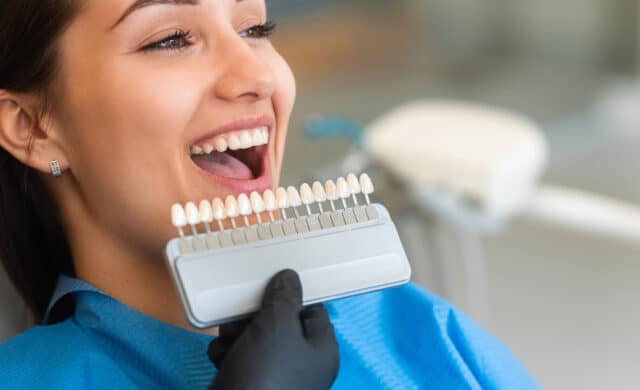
column 221, row 273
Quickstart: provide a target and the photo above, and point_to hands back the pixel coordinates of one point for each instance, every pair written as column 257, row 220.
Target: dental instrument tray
column 348, row 249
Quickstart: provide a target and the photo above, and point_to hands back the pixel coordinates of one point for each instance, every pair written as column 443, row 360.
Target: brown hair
column 33, row 246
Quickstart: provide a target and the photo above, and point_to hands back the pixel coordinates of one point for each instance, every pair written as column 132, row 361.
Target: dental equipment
column 471, row 164
column 221, row 274
column 473, row 168
column 477, row 167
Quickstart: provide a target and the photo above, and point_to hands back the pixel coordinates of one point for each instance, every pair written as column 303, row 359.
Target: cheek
column 134, row 107
column 125, row 135
column 131, row 118
column 283, row 101
column 131, row 129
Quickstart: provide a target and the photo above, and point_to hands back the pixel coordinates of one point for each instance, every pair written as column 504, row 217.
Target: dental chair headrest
column 492, row 157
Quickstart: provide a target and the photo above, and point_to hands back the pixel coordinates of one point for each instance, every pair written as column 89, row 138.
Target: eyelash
column 180, row 39
column 260, row 30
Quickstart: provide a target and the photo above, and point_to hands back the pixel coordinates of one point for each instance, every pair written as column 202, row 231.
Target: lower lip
column 236, row 186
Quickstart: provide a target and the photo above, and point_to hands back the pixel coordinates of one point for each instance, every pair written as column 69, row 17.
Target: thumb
column 284, row 291
column 281, row 306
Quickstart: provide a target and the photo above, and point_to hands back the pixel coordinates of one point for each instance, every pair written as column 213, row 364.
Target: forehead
column 140, row 4
column 111, row 13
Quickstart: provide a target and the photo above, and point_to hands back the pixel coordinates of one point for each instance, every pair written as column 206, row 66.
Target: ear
column 23, row 135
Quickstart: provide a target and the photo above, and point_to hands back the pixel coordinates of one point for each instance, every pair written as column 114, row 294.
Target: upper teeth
column 243, row 139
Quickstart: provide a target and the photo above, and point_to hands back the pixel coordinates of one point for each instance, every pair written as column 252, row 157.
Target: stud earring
column 55, row 168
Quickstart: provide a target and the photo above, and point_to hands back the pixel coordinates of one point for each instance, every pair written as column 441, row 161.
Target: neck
column 140, row 283
column 128, row 274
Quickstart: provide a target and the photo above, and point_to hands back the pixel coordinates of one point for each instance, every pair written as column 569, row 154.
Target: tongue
column 225, row 165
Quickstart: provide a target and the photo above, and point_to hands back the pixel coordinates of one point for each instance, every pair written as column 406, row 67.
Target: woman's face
column 146, row 83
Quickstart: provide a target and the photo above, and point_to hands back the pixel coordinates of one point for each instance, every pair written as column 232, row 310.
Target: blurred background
column 564, row 301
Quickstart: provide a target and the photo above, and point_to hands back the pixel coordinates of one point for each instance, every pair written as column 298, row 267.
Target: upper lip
column 246, row 123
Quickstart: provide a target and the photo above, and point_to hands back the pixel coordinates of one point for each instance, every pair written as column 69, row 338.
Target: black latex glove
column 283, row 347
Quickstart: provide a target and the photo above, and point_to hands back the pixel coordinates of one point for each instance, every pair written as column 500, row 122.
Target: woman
column 101, row 105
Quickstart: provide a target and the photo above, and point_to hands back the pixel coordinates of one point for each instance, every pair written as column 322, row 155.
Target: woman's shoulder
column 40, row 341
column 58, row 355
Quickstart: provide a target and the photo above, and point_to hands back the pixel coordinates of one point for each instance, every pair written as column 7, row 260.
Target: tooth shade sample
column 318, row 192
column 283, row 201
column 366, row 184
column 354, row 184
column 206, row 212
column 208, row 148
column 193, row 215
column 306, row 194
column 269, row 200
column 196, row 150
column 294, row 197
column 231, row 206
column 220, row 144
column 343, row 188
column 257, row 203
column 234, row 142
column 282, row 198
column 244, row 205
column 219, row 212
column 178, row 216
column 354, row 187
column 331, row 190
column 270, row 203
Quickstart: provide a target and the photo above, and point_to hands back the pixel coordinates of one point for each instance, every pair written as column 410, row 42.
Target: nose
column 244, row 74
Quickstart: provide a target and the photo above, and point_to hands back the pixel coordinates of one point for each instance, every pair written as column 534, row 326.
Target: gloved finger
column 321, row 336
column 228, row 334
column 284, row 291
column 282, row 302
column 317, row 326
column 217, row 352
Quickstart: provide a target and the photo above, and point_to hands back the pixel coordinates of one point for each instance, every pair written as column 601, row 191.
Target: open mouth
column 238, row 155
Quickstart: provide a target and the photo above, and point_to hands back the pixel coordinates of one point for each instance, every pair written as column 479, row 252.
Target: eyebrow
column 138, row 4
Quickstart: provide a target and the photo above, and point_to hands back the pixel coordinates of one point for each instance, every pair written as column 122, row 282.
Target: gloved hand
column 283, row 347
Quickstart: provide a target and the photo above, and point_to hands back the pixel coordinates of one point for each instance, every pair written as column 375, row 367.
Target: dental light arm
column 588, row 213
